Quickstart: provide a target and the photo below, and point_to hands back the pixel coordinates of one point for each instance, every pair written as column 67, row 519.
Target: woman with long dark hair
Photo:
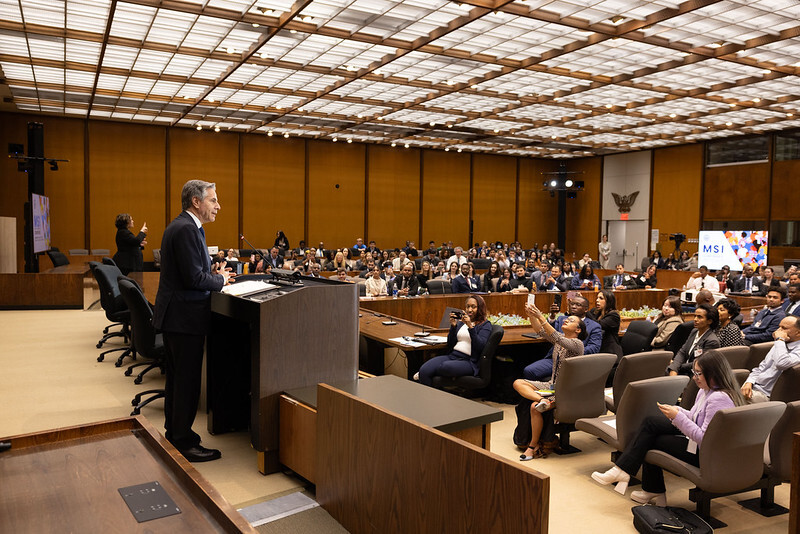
column 586, row 279
column 493, row 273
column 469, row 332
column 678, row 432
column 605, row 312
column 667, row 321
column 701, row 339
column 281, row 241
column 129, row 247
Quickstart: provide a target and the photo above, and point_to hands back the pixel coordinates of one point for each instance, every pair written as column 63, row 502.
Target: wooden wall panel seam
column 87, row 220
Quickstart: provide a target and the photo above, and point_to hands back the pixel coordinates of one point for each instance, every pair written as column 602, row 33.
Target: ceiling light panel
column 152, row 61
column 211, row 69
column 743, row 116
column 9, row 11
column 47, row 48
column 49, row 75
column 208, row 32
column 240, row 40
column 782, row 53
column 606, row 121
column 138, row 85
column 13, row 43
column 132, row 21
column 705, row 74
column 80, row 78
column 538, row 112
column 164, row 88
column 680, row 107
column 766, row 90
column 397, row 94
column 245, row 73
column 606, row 138
column 242, row 6
column 170, row 27
column 183, row 65
column 491, row 124
column 613, row 57
column 467, row 102
column 87, row 15
column 550, row 131
column 85, row 51
column 663, row 128
column 43, row 12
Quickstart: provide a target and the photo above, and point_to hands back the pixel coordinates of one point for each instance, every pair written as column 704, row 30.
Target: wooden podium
column 287, row 338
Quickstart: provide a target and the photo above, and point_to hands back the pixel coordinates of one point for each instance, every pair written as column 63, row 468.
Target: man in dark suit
column 620, row 280
column 183, row 310
column 748, row 283
column 767, row 320
column 792, row 304
column 274, row 260
column 519, row 282
column 406, row 284
column 464, row 283
column 552, row 281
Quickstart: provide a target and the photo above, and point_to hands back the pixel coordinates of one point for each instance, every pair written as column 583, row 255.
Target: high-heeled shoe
column 537, row 453
column 615, row 474
column 645, row 497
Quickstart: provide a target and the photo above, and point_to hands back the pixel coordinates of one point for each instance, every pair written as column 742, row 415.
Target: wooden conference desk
column 56, row 288
column 459, row 417
column 66, row 480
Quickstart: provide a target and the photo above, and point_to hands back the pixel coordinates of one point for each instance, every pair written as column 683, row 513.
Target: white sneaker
column 416, row 377
column 645, row 497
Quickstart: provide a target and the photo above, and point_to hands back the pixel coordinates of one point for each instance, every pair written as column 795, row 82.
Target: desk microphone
column 424, row 333
column 254, row 249
column 390, row 322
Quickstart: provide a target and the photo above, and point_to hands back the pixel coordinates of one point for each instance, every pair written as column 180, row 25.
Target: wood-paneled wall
column 737, row 192
column 445, row 197
column 494, row 198
column 583, row 211
column 677, row 194
column 393, row 197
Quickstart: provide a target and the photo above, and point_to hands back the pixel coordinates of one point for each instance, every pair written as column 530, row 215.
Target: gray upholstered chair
column 581, row 393
column 738, row 357
column 484, row 378
column 731, row 454
column 100, row 252
column 78, row 252
column 777, row 463
column 157, row 258
column 690, row 393
column 758, row 351
column 58, row 258
column 362, row 287
column 637, row 367
column 439, row 287
column 637, row 403
column 638, row 336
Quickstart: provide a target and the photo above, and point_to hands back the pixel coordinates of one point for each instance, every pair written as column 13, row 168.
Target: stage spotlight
column 568, row 183
column 553, row 183
column 53, row 165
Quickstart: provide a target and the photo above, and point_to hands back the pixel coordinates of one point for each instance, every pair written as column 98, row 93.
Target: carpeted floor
column 49, row 378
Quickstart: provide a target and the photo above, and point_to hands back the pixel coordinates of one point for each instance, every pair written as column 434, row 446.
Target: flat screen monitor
column 734, row 248
column 40, row 216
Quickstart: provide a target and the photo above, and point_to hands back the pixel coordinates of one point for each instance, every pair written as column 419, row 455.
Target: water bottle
column 752, row 315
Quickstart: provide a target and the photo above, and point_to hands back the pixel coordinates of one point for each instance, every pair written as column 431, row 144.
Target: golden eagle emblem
column 624, row 202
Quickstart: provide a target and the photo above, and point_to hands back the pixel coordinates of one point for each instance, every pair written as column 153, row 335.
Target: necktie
column 747, row 284
column 702, row 283
column 203, row 233
column 619, row 280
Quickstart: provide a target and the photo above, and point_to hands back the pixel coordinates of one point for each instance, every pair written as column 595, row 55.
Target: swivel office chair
column 113, row 304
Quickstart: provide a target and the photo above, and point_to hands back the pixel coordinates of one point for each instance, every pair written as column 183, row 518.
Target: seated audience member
column 504, row 283
column 350, row 264
column 785, row 353
column 769, row 279
column 793, row 278
column 767, row 320
column 301, row 248
column 502, row 261
column 231, row 256
column 520, row 283
column 669, row 432
column 491, row 277
column 554, row 281
column 375, row 285
column 585, row 260
column 469, row 332
column 281, row 241
column 724, row 275
column 619, row 280
column 728, row 332
column 464, row 283
column 671, row 262
column 792, row 304
column 440, row 270
column 453, row 270
column 657, row 260
column 540, row 273
column 400, row 261
column 425, row 274
column 569, row 272
column 648, row 279
column 360, row 244
column 372, row 247
column 406, row 284
column 578, row 306
column 219, row 257
column 684, row 260
column 704, row 296
column 566, row 344
column 273, row 260
column 701, row 279
column 787, row 276
column 430, row 256
column 701, row 339
column 586, row 279
column 667, row 321
column 367, row 271
column 748, row 283
column 458, row 257
column 410, row 249
column 606, row 315
column 341, row 276
column 314, row 270
column 388, row 274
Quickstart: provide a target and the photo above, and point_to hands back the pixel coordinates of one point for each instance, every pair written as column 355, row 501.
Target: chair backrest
column 58, row 258
column 78, row 252
column 100, row 252
column 362, row 288
column 638, row 336
column 780, row 441
column 758, row 351
column 787, row 387
column 738, row 356
column 109, row 261
column 487, row 355
column 580, row 386
column 157, row 258
column 679, row 336
column 639, row 366
column 639, row 401
column 439, row 287
column 732, row 452
column 481, row 263
column 110, row 298
column 142, row 330
column 444, row 322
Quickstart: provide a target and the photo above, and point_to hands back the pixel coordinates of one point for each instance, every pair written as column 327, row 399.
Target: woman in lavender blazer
column 678, row 432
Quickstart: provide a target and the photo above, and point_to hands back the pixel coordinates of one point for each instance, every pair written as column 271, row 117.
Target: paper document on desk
column 248, row 287
column 409, row 342
column 436, row 339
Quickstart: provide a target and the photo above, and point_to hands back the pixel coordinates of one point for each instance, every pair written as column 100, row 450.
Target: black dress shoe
column 200, row 454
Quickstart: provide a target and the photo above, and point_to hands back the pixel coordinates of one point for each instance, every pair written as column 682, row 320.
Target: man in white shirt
column 785, row 353
column 703, row 280
column 457, row 257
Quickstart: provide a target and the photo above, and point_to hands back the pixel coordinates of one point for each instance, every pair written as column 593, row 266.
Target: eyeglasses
column 697, row 373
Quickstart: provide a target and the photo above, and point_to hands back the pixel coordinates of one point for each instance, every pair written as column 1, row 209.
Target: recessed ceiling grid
column 552, row 78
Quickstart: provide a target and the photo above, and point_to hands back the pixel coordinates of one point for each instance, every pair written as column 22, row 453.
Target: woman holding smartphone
column 469, row 332
column 669, row 431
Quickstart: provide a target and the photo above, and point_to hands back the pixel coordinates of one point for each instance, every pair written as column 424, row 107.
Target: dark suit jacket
column 461, row 285
column 517, row 282
column 559, row 284
column 684, row 359
column 627, row 281
column 785, row 306
column 764, row 324
column 755, row 287
column 413, row 284
column 183, row 301
column 642, row 281
column 277, row 264
column 129, row 251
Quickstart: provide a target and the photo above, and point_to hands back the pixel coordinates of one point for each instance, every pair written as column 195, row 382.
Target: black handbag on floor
column 650, row 519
